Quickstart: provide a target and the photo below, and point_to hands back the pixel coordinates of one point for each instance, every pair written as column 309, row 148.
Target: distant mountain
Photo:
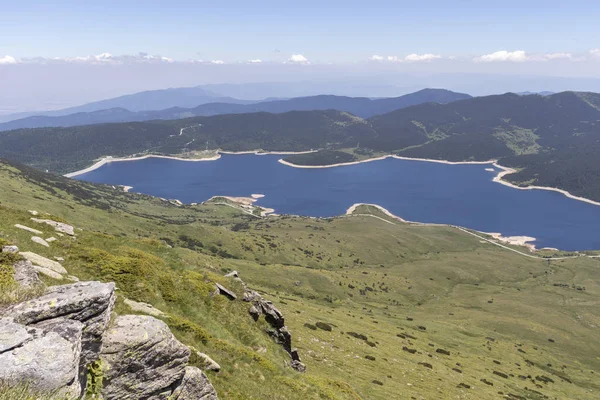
column 143, row 101
column 360, row 106
column 543, row 93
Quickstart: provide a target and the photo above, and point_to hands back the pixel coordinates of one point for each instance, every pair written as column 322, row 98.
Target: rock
column 59, row 259
column 58, row 226
column 194, row 386
column 12, row 335
column 44, row 262
column 254, row 312
column 232, row 274
column 47, row 358
column 88, row 302
column 273, row 316
column 208, row 362
column 298, row 366
column 51, row 239
column 225, row 292
column 39, row 240
column 142, row 360
column 72, row 278
column 144, row 308
column 28, row 229
column 48, row 272
column 250, row 295
column 25, row 274
column 10, row 249
column 32, row 212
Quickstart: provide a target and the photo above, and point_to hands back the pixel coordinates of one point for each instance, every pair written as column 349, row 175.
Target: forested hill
column 360, row 106
column 554, row 139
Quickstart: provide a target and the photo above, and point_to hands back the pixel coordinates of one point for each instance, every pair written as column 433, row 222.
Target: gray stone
column 12, row 334
column 144, row 308
column 41, row 261
column 28, row 229
column 48, row 272
column 250, row 295
column 51, row 239
column 25, row 274
column 208, row 363
column 58, row 226
column 142, row 359
column 225, row 292
column 47, row 358
column 10, row 249
column 88, row 302
column 232, row 274
column 194, row 386
column 39, row 240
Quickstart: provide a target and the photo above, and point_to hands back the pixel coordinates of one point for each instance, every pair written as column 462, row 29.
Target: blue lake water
column 461, row 195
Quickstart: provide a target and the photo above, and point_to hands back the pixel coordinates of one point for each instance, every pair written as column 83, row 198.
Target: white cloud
column 256, row 61
column 298, row 59
column 557, row 56
column 7, row 60
column 503, row 55
column 422, row 57
column 595, row 53
column 218, row 62
column 375, row 57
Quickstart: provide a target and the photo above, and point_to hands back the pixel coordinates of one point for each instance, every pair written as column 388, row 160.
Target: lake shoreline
column 498, row 178
column 110, row 159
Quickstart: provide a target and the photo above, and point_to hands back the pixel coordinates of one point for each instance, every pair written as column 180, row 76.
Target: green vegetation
column 376, row 307
column 553, row 140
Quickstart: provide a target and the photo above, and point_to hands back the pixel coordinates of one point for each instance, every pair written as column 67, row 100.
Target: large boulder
column 88, row 302
column 141, row 359
column 194, row 386
column 47, row 356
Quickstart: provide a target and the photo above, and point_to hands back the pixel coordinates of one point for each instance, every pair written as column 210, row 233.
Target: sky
column 120, row 44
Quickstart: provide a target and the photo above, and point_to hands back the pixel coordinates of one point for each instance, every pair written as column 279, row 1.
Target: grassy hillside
column 377, row 308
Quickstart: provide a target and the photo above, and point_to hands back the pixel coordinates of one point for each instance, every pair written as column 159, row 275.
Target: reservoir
column 419, row 191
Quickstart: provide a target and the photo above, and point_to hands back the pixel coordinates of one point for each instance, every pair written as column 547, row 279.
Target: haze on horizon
column 67, row 53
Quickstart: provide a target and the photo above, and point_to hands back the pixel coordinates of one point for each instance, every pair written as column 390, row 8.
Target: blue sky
column 61, row 53
column 323, row 31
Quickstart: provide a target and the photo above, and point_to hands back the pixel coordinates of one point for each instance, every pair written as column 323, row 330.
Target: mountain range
column 139, row 107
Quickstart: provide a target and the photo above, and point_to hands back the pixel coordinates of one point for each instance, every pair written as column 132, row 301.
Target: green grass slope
column 377, row 308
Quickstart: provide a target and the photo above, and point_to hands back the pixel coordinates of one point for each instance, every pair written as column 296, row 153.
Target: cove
column 463, row 194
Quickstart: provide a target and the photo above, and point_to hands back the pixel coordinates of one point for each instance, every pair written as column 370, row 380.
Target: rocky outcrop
column 49, row 342
column 194, row 386
column 46, row 356
column 142, row 359
column 275, row 318
column 58, row 226
column 91, row 303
